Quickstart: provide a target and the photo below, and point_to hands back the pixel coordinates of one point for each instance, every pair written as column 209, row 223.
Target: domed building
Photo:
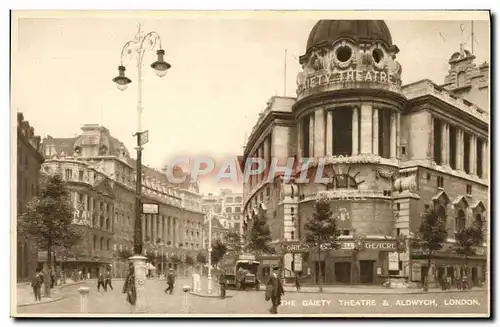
column 384, row 150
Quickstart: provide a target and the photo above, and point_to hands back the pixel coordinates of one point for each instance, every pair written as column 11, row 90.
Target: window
column 469, row 189
column 94, row 241
column 261, row 196
column 238, row 199
column 398, row 206
column 344, row 53
column 440, row 182
column 229, row 200
column 461, row 79
column 228, row 209
column 400, row 265
column 292, row 235
column 398, row 231
column 346, row 232
column 268, row 191
column 460, row 221
column 428, row 176
column 437, row 141
column 237, row 209
column 101, row 243
column 68, row 174
column 80, row 175
column 107, row 244
column 403, row 150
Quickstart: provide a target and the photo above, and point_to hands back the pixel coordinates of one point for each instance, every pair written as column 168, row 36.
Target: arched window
column 441, row 211
column 101, row 223
column 101, row 243
column 461, row 79
column 94, row 241
column 228, row 209
column 460, row 221
column 107, row 224
column 107, row 244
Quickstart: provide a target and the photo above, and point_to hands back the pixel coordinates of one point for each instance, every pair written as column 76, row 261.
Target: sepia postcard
column 250, row 164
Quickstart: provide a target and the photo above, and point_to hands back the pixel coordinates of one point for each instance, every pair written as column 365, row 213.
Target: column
column 311, row 136
column 154, row 219
column 319, row 133
column 300, row 139
column 329, row 133
column 398, row 134
column 163, row 231
column 260, row 154
column 175, row 231
column 393, row 135
column 75, row 200
column 171, row 230
column 267, row 155
column 366, row 128
column 484, row 153
column 460, row 149
column 375, row 131
column 150, row 229
column 143, row 225
column 443, row 144
column 355, row 131
column 472, row 154
column 430, row 145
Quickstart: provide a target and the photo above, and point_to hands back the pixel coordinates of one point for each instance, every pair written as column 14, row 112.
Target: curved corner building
column 388, row 148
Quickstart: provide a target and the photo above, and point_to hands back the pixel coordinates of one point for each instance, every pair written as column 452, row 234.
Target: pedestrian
column 170, row 281
column 274, row 290
column 36, row 284
column 100, row 282
column 222, row 283
column 129, row 285
column 297, row 280
column 108, row 280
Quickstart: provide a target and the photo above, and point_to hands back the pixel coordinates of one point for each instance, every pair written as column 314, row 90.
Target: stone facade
column 388, row 150
column 106, row 164
column 29, row 161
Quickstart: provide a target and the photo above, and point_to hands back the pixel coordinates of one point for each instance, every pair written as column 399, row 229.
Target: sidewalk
column 367, row 289
column 26, row 297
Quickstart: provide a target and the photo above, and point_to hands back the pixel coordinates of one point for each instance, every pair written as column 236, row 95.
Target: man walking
column 36, row 284
column 275, row 290
column 100, row 282
column 297, row 280
column 170, row 281
column 108, row 280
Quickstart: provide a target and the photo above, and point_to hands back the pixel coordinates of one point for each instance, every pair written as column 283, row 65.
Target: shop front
column 355, row 261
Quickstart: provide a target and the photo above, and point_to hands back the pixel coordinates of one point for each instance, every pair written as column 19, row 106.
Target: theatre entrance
column 366, row 271
column 343, row 272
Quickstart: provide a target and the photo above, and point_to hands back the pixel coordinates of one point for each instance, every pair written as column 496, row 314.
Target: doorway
column 366, row 275
column 343, row 272
column 474, row 276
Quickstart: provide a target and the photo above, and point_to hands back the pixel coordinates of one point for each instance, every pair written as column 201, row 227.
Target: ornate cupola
column 349, row 54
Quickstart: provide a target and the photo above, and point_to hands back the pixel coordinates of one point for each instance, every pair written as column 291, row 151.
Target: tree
column 232, row 240
column 430, row 237
column 218, row 252
column 467, row 240
column 260, row 235
column 321, row 232
column 201, row 258
column 189, row 260
column 48, row 219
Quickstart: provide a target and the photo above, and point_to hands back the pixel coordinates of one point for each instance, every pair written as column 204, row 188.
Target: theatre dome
column 360, row 31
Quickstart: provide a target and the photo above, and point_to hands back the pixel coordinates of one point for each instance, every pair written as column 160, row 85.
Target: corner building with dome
column 389, row 149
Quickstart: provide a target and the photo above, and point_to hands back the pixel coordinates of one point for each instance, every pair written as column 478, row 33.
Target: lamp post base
column 140, row 280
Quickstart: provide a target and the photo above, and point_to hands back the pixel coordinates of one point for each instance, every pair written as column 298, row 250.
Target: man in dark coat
column 108, row 280
column 275, row 290
column 170, row 281
column 100, row 282
column 129, row 285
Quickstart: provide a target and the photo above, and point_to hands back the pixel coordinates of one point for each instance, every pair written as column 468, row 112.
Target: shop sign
column 393, row 258
column 380, row 245
column 81, row 217
column 268, row 262
column 150, row 208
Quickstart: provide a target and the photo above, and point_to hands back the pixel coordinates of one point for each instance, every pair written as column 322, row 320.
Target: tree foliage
column 321, row 232
column 189, row 260
column 219, row 249
column 468, row 239
column 232, row 240
column 431, row 236
column 201, row 257
column 48, row 218
column 260, row 235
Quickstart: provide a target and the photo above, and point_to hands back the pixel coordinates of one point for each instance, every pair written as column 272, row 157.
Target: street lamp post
column 140, row 45
column 209, row 287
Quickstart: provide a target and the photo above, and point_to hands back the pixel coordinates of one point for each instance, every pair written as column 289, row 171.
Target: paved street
column 252, row 302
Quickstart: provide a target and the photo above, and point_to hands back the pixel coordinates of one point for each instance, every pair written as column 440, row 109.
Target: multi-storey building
column 226, row 207
column 176, row 230
column 388, row 150
column 29, row 161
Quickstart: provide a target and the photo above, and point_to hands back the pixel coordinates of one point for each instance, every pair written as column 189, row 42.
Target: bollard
column 84, row 292
column 186, row 289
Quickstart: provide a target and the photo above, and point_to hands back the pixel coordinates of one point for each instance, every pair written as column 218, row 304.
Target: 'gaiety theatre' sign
column 322, row 78
column 385, row 245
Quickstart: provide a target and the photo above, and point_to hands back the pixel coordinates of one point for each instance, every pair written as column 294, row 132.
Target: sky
column 224, row 69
